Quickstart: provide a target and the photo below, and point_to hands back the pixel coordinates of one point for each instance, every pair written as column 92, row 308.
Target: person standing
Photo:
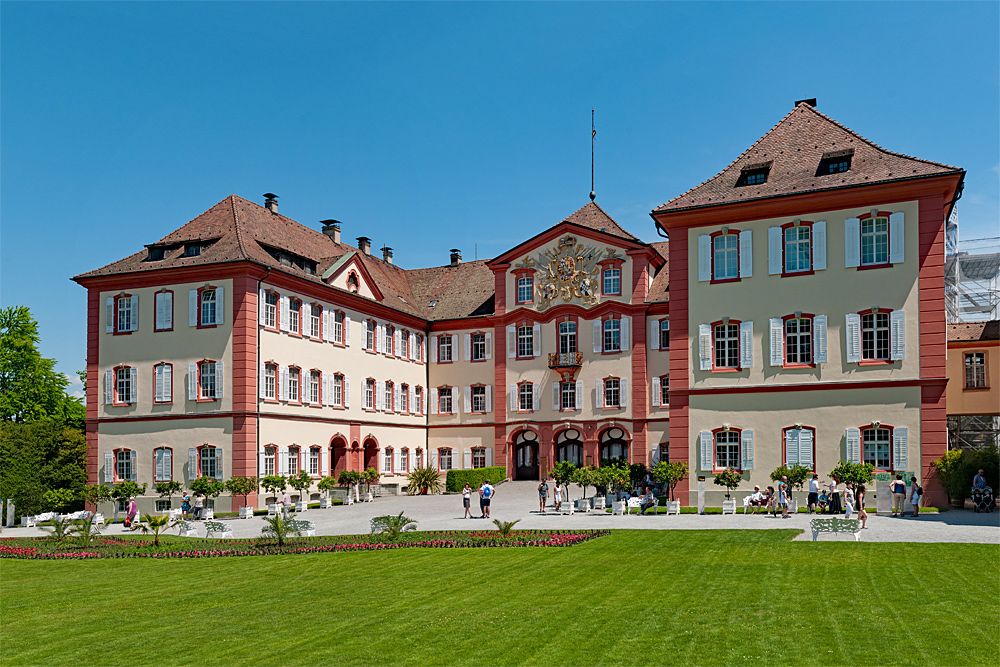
column 813, row 493
column 131, row 514
column 488, row 492
column 915, row 496
column 286, row 502
column 543, row 495
column 849, row 501
column 783, row 496
column 835, row 507
column 186, row 506
column 898, row 489
column 467, row 501
column 199, row 505
column 860, row 496
column 557, row 496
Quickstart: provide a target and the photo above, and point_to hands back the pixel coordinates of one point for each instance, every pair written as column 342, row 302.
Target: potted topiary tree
column 327, row 484
column 347, row 479
column 730, row 479
column 210, row 487
column 671, row 473
column 370, row 477
column 301, row 483
column 563, row 473
column 167, row 490
column 243, row 486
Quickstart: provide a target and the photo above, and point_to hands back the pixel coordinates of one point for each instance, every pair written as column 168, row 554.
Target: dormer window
column 754, row 174
column 156, row 254
column 835, row 162
column 192, row 249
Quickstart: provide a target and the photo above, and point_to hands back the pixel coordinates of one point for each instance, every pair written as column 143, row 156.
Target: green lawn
column 634, row 598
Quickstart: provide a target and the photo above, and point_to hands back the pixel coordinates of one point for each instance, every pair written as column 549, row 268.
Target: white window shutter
column 379, row 338
column 599, row 395
column 853, row 440
column 168, row 464
column 325, row 324
column 777, row 331
column 395, row 397
column 168, row 314
column 109, row 315
column 261, row 453
column 467, row 392
column 192, row 382
column 489, row 457
column 792, row 439
column 707, row 460
column 192, row 463
column 655, row 391
column 134, row 299
column 283, row 314
column 623, row 393
column 379, row 400
column 327, row 384
column 489, row 398
column 555, row 396
column 774, row 248
column 579, row 395
column 220, row 379
column 434, row 400
column 282, row 460
column 746, row 442
column 134, row 377
column 168, row 383
column 536, row 396
column 746, row 254
column 746, row 344
column 489, row 345
column 219, row 468
column 133, row 474
column 397, row 460
column 109, row 387
column 705, row 346
column 900, row 455
column 626, row 338
column 397, row 337
column 819, row 245
column 820, row 354
column 654, row 334
column 261, row 319
column 283, row 383
column 424, row 401
column 158, row 300
column 852, row 242
column 454, row 400
column 468, row 346
column 454, row 347
column 158, row 470
column 220, row 309
column 511, row 342
column 109, row 467
column 324, row 462
column 897, row 335
column 192, row 308
column 897, row 249
column 655, row 455
column 412, row 403
column 536, row 340
column 806, row 448
column 598, row 336
column 347, row 392
column 467, row 459
column 704, row 257
column 512, row 400
column 347, row 330
column 409, row 347
column 853, row 338
column 434, row 349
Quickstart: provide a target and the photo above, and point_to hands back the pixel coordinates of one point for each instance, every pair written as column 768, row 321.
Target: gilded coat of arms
column 569, row 271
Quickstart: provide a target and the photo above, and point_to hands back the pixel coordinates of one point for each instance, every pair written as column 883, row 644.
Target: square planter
column 246, row 512
column 729, row 506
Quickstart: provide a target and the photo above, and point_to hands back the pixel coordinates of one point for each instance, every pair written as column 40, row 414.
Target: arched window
column 614, row 444
column 569, row 447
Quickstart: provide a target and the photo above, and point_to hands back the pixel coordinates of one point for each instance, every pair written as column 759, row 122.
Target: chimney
column 456, row 256
column 365, row 245
column 387, row 254
column 271, row 202
column 811, row 102
column 332, row 229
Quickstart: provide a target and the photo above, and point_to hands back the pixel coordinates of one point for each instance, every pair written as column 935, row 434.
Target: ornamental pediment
column 569, row 272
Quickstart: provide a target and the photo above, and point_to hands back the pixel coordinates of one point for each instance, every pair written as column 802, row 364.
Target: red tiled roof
column 593, row 216
column 973, row 331
column 794, row 148
column 659, row 290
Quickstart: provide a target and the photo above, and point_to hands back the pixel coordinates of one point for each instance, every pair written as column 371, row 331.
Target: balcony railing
column 566, row 360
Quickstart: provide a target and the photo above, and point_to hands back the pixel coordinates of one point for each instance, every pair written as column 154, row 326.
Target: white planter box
column 673, row 507
column 300, row 507
column 246, row 512
column 325, row 503
column 729, row 507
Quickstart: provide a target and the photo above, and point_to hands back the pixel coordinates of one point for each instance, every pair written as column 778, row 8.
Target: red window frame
column 739, row 454
column 277, row 310
column 604, row 389
column 736, row 234
column 532, row 392
column 155, row 298
column 404, row 391
column 353, row 283
column 389, row 397
column 319, row 392
column 606, row 318
column 199, row 449
column 298, row 333
column 369, row 382
column 334, row 397
column 115, row 466
column 472, row 399
column 114, row 386
column 441, row 390
column 273, row 450
column 418, row 398
column 201, row 292
column 861, row 341
column 888, row 235
column 727, row 369
column 659, row 333
column 784, row 449
column 200, row 398
column 665, row 391
column 451, row 458
column 319, row 461
column 518, row 275
column 298, row 460
column 390, row 340
column 404, row 459
column 298, row 400
column 892, row 459
column 371, row 326
column 472, row 347
column 318, row 337
column 116, row 330
column 389, row 451
column 812, row 340
column 615, row 263
column 563, row 320
column 277, row 380
column 812, row 250
column 986, row 369
column 437, row 341
column 517, row 337
column 169, row 479
column 343, row 328
column 418, row 348
column 153, row 394
column 404, row 344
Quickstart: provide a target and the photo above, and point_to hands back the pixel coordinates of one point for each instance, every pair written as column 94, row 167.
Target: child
column 824, row 502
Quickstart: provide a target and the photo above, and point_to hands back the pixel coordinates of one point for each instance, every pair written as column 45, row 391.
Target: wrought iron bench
column 835, row 525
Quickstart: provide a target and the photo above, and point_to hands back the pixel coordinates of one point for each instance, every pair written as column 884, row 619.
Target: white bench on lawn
column 186, row 529
column 835, row 525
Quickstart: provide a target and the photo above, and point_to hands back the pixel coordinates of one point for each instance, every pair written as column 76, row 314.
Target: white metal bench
column 306, row 528
column 599, row 503
column 634, row 503
column 186, row 529
column 272, row 509
column 218, row 529
column 27, row 522
column 209, row 514
column 98, row 519
column 174, row 515
column 835, row 525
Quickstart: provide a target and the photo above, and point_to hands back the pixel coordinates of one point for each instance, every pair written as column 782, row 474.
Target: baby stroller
column 982, row 499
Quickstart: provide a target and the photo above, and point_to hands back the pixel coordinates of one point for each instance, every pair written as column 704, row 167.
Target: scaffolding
column 972, row 269
column 975, row 432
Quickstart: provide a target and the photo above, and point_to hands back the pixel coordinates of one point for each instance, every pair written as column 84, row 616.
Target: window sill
column 611, row 352
column 866, row 267
column 726, row 370
column 205, row 400
column 163, row 403
column 792, row 274
column 122, row 333
column 207, row 326
column 294, row 334
column 876, row 362
column 270, row 400
column 975, row 389
column 717, row 281
column 162, row 330
column 787, row 365
column 117, row 405
column 450, row 361
column 477, row 361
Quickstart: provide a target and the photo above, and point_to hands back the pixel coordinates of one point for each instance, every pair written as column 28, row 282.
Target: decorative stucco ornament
column 570, row 272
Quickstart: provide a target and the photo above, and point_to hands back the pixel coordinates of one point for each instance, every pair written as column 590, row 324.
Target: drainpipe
column 259, row 283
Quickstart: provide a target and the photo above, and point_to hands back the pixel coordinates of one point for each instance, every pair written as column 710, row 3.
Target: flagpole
column 593, row 133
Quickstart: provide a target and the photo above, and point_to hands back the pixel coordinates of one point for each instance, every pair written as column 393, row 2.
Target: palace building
column 297, row 351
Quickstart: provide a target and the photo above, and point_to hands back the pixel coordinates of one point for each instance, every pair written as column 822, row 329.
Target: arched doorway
column 614, row 444
column 371, row 454
column 569, row 447
column 526, row 455
column 338, row 456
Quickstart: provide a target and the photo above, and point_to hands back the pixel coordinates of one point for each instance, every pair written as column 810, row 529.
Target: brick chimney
column 456, row 256
column 387, row 254
column 365, row 245
column 271, row 202
column 332, row 229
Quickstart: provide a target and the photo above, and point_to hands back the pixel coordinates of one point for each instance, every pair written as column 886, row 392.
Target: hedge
column 476, row 477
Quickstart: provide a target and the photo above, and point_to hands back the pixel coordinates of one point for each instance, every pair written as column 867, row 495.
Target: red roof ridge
column 237, row 227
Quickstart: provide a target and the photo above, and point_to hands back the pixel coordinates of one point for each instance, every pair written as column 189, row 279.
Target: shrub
column 425, row 479
column 209, row 486
column 670, row 473
column 476, row 477
column 57, row 499
column 504, row 527
column 301, row 482
column 958, row 466
column 796, row 474
column 348, row 478
column 241, row 486
column 730, row 479
column 855, row 473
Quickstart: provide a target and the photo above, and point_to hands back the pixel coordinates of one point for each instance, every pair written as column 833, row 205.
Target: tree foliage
column 210, row 486
column 856, row 473
column 38, row 457
column 730, row 479
column 586, row 476
column 349, row 477
column 241, row 486
column 796, row 474
column 127, row 490
column 958, row 466
column 670, row 473
column 300, row 483
column 327, row 484
column 273, row 483
column 563, row 472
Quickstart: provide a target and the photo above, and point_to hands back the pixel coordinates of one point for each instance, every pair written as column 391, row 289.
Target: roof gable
column 350, row 273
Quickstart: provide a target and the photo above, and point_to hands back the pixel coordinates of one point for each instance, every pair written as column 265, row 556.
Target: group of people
column 193, row 509
column 898, row 489
column 486, row 493
column 543, row 496
column 823, row 497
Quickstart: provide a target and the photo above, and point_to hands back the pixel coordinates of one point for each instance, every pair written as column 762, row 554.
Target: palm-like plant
column 423, row 480
column 391, row 526
column 504, row 527
column 155, row 525
column 280, row 529
column 61, row 529
column 86, row 531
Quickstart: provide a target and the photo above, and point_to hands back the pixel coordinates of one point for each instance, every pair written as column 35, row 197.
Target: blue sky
column 428, row 126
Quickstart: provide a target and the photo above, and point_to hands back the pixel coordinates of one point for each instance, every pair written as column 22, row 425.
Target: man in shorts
column 813, row 492
column 543, row 495
column 486, row 495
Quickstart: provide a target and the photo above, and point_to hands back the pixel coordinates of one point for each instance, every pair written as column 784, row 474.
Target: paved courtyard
column 519, row 500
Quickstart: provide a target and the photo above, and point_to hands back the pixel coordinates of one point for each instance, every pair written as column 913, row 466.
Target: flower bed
column 174, row 547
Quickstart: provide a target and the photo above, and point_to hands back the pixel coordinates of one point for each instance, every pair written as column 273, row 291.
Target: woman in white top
column 849, row 501
column 915, row 496
column 557, row 496
column 467, row 501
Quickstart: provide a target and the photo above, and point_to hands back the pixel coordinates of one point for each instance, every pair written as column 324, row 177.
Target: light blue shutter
column 853, row 441
column 820, row 355
column 746, row 344
column 777, row 331
column 218, row 463
column 746, row 254
column 774, row 248
column 806, row 448
column 134, row 303
column 896, row 246
column 109, row 315
column 192, row 382
column 109, row 467
column 704, row 258
column 168, row 464
column 347, row 330
column 792, row 440
column 746, row 438
column 192, row 463
column 220, row 379
column 897, row 335
column 220, row 305
column 623, row 393
column 193, row 308
column 901, row 459
column 853, row 338
column 134, row 381
column 705, row 346
column 852, row 242
column 706, row 451
column 819, row 245
column 109, row 387
column 655, row 392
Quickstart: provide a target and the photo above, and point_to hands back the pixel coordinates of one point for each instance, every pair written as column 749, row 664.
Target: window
column 389, row 334
column 293, row 461
column 975, row 370
column 478, row 457
column 567, row 396
column 726, row 257
column 664, row 334
column 525, row 289
column 163, row 464
column 124, row 385
column 444, row 459
column 338, row 328
column 370, row 335
column 162, row 505
column 294, row 310
column 208, row 308
column 665, row 390
column 444, row 400
column 875, row 336
column 270, row 381
column 404, row 395
column 209, row 462
column 800, row 446
column 525, row 397
column 418, row 348
column 479, row 399
column 124, row 469
column 875, row 241
column 798, row 340
column 418, row 400
column 754, row 174
column 369, row 400
column 338, row 390
column 314, row 462
column 163, row 318
column 314, row 387
column 798, row 249
column 387, row 403
column 315, row 313
column 525, row 341
column 836, row 162
column 271, row 310
column 207, row 381
column 727, row 449
column 612, row 393
column 404, row 344
column 613, row 281
column 352, row 282
column 567, row 337
column 727, row 345
column 444, row 348
column 192, row 250
column 293, row 383
column 123, row 317
column 404, row 460
column 478, row 347
column 163, row 389
column 612, row 335
column 269, row 461
column 875, row 447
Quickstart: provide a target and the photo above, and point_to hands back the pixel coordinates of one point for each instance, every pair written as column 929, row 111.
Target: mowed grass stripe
column 634, row 597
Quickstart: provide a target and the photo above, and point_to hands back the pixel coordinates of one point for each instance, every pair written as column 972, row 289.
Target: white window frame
column 270, row 382
column 612, row 335
column 797, row 243
column 446, row 352
column 369, row 394
column 525, row 289
column 612, row 392
column 525, row 342
column 728, row 454
column 727, row 252
column 271, row 310
column 612, row 281
column 479, row 399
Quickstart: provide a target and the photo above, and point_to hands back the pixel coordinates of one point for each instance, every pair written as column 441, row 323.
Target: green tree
column 273, row 483
column 300, row 483
column 124, row 491
column 41, row 456
column 60, row 529
column 584, row 477
column 327, row 484
column 370, row 476
column 56, row 500
column 167, row 490
column 86, row 531
column 796, row 474
column 563, row 472
column 730, row 479
column 670, row 473
column 95, row 494
column 241, row 486
column 856, row 473
column 423, row 480
column 210, row 486
column 504, row 527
